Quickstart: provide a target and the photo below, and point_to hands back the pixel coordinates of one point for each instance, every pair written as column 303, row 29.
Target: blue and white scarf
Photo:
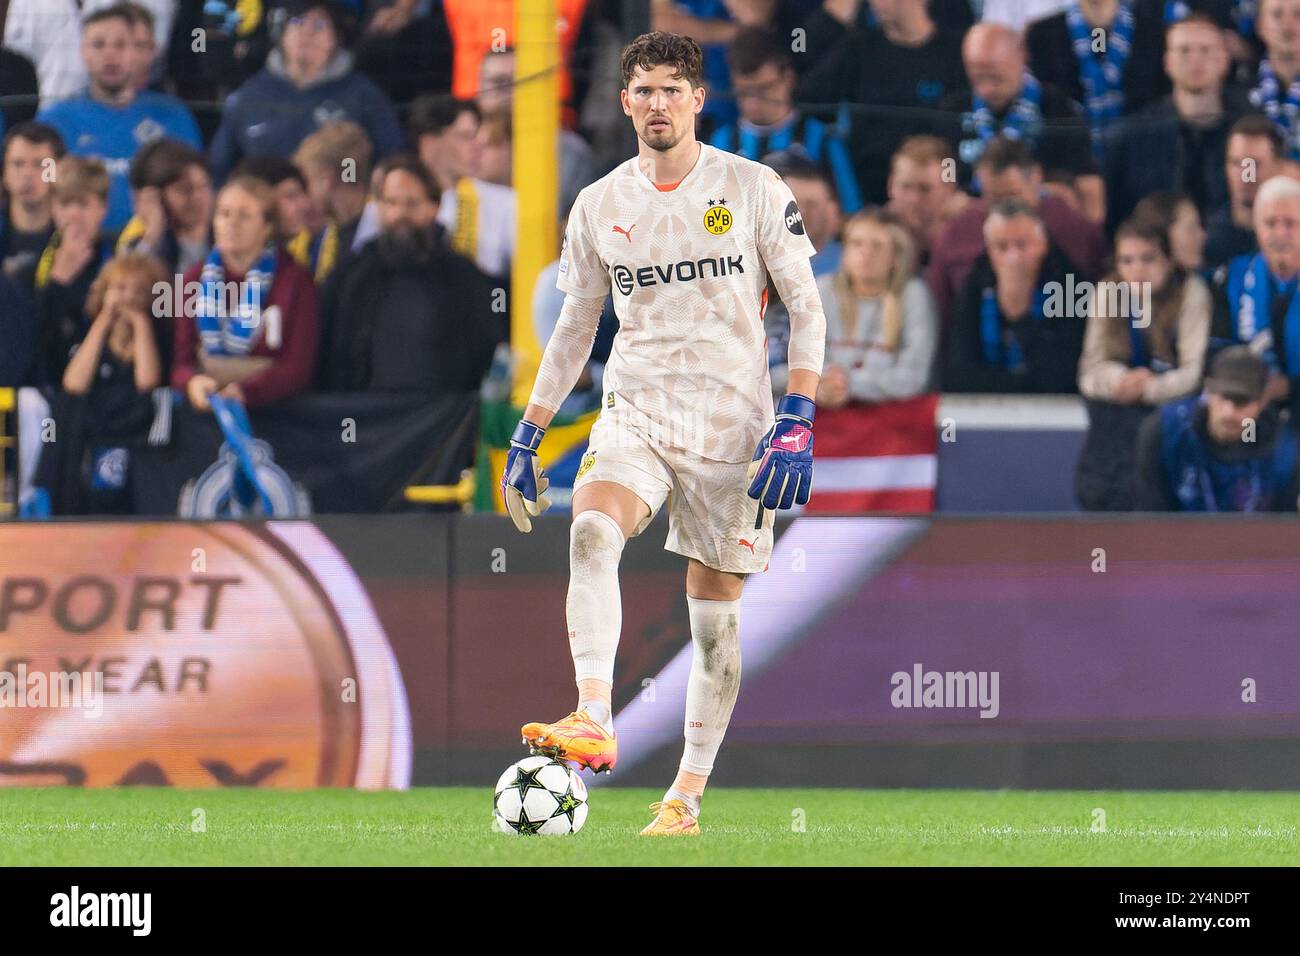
column 1024, row 120
column 1001, row 346
column 1250, row 295
column 1284, row 112
column 238, row 334
column 1102, row 78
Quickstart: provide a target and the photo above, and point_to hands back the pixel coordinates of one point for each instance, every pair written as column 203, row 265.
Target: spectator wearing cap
column 1223, row 450
column 1255, row 296
column 308, row 81
column 763, row 79
column 1010, row 333
column 112, row 117
column 1148, row 326
column 172, row 189
column 1253, row 156
column 1010, row 171
column 406, row 314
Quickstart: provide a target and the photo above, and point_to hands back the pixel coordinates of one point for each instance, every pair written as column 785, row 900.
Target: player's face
column 404, row 206
column 24, row 164
column 106, row 50
column 188, row 201
column 662, row 106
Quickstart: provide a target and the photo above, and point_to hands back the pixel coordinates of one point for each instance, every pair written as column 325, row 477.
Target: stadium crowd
column 1098, row 197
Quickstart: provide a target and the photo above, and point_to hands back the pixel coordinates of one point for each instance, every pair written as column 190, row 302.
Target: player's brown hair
column 650, row 50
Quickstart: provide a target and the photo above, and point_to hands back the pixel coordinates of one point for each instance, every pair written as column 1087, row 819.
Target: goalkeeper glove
column 780, row 474
column 524, row 482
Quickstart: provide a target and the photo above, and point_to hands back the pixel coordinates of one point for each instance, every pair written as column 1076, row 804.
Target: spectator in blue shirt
column 308, row 81
column 112, row 118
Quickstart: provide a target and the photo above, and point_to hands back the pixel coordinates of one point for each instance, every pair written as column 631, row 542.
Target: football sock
column 594, row 607
column 714, row 682
column 598, row 711
column 692, row 800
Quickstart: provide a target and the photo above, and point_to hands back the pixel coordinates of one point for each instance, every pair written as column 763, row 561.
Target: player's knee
column 594, row 539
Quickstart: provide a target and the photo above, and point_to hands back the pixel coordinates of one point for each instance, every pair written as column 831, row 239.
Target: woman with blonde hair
column 881, row 326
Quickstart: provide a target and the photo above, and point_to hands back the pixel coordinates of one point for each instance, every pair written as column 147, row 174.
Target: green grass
column 74, row 827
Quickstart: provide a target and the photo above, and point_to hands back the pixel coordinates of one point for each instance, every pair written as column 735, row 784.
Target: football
column 539, row 795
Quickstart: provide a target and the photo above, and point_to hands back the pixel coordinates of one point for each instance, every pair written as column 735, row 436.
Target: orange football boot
column 673, row 818
column 577, row 739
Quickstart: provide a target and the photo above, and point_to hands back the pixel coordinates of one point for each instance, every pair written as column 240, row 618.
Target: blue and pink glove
column 780, row 475
column 524, row 483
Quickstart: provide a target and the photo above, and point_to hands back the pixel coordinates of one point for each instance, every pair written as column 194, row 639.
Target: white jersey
column 688, row 269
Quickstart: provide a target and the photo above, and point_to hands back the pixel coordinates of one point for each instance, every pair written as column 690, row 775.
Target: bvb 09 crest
column 718, row 218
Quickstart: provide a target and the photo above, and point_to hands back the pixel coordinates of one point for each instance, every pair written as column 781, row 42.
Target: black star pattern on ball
column 527, row 779
column 523, row 826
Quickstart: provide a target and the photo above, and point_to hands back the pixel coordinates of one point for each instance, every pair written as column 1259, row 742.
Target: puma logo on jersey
column 627, row 232
column 748, row 544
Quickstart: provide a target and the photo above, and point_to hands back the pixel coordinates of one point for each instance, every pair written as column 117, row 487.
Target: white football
column 539, row 795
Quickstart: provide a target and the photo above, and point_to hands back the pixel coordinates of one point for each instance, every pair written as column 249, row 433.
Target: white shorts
column 710, row 515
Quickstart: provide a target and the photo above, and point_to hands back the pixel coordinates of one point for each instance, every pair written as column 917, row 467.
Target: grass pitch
column 73, row 827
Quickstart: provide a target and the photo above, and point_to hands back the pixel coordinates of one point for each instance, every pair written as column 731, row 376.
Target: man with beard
column 112, row 118
column 407, row 313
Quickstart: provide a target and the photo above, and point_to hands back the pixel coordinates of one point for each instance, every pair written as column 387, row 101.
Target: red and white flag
column 875, row 458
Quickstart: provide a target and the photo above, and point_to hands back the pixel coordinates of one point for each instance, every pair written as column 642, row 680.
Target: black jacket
column 394, row 322
column 1155, row 150
column 1051, row 346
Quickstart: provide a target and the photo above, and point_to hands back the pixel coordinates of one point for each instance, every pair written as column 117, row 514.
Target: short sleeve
column 781, row 233
column 581, row 271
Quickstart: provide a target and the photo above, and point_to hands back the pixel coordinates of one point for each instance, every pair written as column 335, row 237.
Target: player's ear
column 698, row 94
column 622, row 98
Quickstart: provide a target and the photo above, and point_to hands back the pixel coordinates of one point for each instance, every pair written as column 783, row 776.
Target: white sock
column 594, row 607
column 714, row 682
column 692, row 802
column 598, row 711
